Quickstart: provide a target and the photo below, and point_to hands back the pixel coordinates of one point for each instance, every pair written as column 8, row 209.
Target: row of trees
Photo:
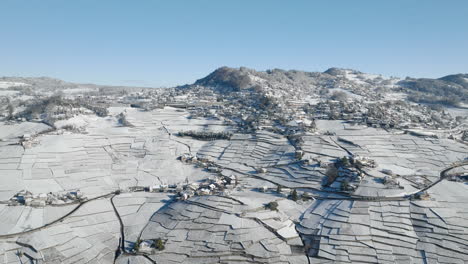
column 205, row 135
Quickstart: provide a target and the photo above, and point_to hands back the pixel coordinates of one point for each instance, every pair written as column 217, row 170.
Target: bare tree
column 10, row 109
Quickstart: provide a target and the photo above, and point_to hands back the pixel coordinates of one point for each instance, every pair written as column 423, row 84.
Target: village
column 27, row 198
column 259, row 166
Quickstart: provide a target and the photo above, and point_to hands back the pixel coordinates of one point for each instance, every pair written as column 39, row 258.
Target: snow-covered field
column 456, row 111
column 348, row 93
column 395, row 96
column 359, row 78
column 4, row 85
column 8, row 131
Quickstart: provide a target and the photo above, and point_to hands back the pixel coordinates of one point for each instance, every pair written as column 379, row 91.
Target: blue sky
column 165, row 43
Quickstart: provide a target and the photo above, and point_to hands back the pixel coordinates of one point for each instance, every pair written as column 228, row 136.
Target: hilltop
column 276, row 97
column 297, row 84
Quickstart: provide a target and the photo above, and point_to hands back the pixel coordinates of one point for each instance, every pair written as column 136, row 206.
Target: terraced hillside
column 236, row 168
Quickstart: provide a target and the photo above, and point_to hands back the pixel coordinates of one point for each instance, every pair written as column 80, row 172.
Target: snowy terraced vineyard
column 234, row 227
column 214, row 229
column 389, row 231
column 236, row 168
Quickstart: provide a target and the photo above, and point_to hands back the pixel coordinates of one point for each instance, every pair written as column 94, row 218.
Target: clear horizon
column 156, row 43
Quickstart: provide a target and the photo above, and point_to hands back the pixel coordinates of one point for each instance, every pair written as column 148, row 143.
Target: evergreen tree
column 294, row 195
column 159, row 244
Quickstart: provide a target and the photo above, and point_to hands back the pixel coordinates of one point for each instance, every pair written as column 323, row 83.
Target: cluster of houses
column 374, row 114
column 288, row 113
column 27, row 198
column 363, row 161
column 289, row 116
column 27, row 141
column 348, row 179
column 219, row 184
column 349, row 173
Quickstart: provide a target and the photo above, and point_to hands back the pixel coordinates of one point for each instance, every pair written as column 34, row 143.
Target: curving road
column 56, row 220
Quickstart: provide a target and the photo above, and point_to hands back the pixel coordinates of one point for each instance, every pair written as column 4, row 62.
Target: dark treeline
column 436, row 91
column 205, row 135
column 46, row 108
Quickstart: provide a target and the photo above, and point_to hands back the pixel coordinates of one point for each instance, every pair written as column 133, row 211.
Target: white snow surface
column 4, row 85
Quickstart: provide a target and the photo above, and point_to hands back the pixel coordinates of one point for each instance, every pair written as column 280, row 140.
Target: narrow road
column 56, row 220
column 122, row 250
column 122, row 231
